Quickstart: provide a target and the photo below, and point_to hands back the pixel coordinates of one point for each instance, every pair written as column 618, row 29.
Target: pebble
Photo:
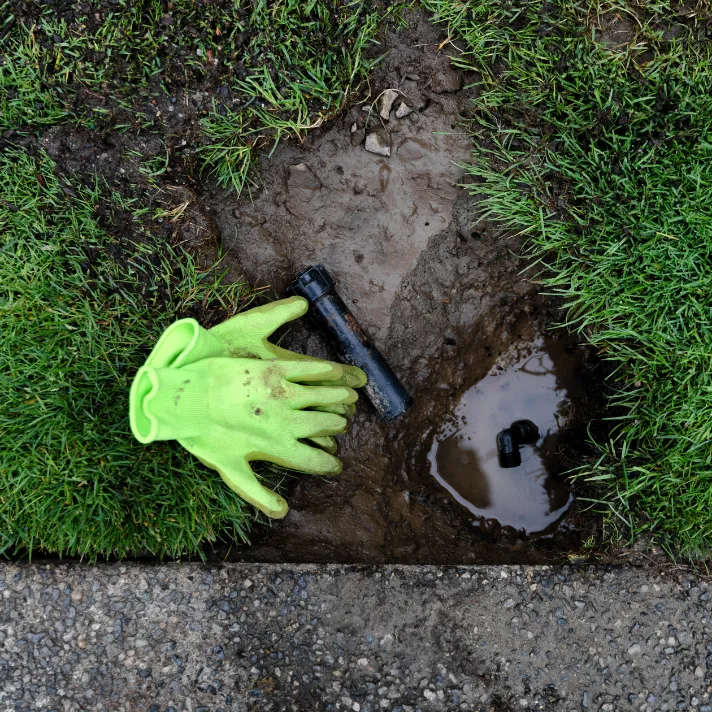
column 387, row 98
column 403, row 110
column 379, row 142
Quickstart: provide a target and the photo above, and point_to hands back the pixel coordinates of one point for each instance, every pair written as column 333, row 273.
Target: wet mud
column 442, row 294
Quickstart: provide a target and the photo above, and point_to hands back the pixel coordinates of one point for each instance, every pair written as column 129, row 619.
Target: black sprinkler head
column 520, row 432
column 387, row 394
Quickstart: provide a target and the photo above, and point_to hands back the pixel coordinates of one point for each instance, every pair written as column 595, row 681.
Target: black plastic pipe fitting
column 509, row 440
column 351, row 342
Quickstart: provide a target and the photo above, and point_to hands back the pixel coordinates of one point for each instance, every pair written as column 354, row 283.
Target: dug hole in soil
column 441, row 293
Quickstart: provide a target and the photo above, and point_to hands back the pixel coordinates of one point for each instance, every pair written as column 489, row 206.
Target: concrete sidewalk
column 236, row 637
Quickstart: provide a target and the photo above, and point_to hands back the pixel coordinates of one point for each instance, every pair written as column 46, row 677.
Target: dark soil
column 440, row 290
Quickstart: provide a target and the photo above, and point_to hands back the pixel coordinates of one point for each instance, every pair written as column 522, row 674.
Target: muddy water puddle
column 531, row 383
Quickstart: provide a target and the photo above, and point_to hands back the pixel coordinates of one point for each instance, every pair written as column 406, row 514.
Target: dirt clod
column 357, row 137
column 446, row 80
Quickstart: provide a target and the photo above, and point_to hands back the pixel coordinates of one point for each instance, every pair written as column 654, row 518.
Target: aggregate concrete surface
column 301, row 637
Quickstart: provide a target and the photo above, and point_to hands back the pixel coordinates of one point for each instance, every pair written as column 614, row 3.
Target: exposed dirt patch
column 367, row 216
column 437, row 287
column 439, row 290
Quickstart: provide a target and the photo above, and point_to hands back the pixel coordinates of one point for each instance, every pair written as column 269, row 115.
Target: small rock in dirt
column 387, row 99
column 379, row 142
column 413, row 77
column 354, row 126
column 403, row 110
column 446, row 81
column 634, row 649
column 357, row 137
column 359, row 187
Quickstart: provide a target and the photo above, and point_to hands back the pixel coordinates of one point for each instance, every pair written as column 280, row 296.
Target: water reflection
column 531, row 383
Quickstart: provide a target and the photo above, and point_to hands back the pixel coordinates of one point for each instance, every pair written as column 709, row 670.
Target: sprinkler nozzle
column 384, row 390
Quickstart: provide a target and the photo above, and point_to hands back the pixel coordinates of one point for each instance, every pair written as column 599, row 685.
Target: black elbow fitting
column 520, row 432
column 351, row 342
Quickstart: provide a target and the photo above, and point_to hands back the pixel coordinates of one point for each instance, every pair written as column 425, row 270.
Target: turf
column 597, row 145
column 227, row 77
column 79, row 311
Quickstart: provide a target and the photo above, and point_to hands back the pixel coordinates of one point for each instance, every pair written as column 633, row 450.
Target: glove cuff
column 183, row 343
column 168, row 404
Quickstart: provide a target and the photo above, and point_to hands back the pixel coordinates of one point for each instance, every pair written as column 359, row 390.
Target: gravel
column 194, row 638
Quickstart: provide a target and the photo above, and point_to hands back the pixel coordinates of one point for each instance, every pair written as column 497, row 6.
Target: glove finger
column 301, row 397
column 326, row 443
column 352, row 376
column 305, row 458
column 311, row 423
column 264, row 320
column 348, row 410
column 239, row 477
column 310, row 370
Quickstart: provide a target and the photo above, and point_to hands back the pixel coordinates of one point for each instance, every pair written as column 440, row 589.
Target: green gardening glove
column 231, row 411
column 245, row 335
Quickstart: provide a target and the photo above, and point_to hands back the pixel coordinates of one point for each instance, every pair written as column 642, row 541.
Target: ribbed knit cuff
column 182, row 343
column 169, row 404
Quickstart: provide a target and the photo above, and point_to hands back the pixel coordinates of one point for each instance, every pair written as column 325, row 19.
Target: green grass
column 602, row 156
column 284, row 67
column 83, row 297
column 79, row 311
column 599, row 153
